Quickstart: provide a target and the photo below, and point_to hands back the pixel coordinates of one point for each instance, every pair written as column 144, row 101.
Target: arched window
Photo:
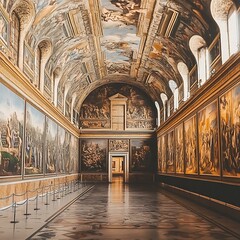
column 173, row 86
column 164, row 101
column 14, row 38
column 199, row 49
column 183, row 70
column 158, row 113
column 227, row 17
column 233, row 30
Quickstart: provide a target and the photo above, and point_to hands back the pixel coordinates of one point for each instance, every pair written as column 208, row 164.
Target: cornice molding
column 16, row 80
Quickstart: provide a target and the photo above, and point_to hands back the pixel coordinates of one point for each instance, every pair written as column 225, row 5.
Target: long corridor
column 118, row 211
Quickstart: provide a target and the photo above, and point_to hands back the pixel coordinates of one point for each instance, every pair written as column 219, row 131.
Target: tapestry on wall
column 230, row 132
column 191, row 163
column 208, row 140
column 170, row 153
column 95, row 112
column 94, row 155
column 73, row 168
column 11, row 132
column 35, row 140
column 179, row 150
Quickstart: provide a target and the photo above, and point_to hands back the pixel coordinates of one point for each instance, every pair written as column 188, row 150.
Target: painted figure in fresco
column 8, row 137
column 3, row 28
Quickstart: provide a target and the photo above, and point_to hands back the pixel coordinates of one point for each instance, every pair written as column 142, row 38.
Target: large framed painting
column 230, row 132
column 11, row 132
column 163, row 153
column 34, row 140
column 170, row 153
column 61, row 151
column 141, row 156
column 66, row 151
column 51, row 147
column 179, row 149
column 73, row 154
column 190, row 141
column 208, row 150
column 94, row 155
column 3, row 28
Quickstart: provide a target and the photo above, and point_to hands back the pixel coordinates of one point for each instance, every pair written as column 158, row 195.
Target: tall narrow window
column 38, row 67
column 15, row 34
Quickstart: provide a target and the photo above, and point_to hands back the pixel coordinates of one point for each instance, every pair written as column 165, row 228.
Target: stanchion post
column 46, row 203
column 26, row 212
column 36, row 207
column 14, row 213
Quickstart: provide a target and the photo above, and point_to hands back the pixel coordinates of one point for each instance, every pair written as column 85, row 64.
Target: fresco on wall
column 66, row 152
column 34, row 140
column 95, row 110
column 11, row 132
column 118, row 145
column 3, row 28
column 230, row 131
column 190, row 136
column 170, row 160
column 208, row 140
column 141, row 156
column 94, row 155
column 120, row 42
column 179, row 150
column 60, row 160
column 51, row 146
column 73, row 154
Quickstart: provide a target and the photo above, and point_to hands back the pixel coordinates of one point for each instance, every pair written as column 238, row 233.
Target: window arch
column 199, row 49
column 158, row 113
column 15, row 37
column 184, row 72
column 174, row 88
column 227, row 17
column 164, row 99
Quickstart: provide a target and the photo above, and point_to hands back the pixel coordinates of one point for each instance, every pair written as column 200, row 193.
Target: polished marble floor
column 135, row 212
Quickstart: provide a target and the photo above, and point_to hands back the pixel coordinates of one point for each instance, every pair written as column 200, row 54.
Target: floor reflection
column 121, row 211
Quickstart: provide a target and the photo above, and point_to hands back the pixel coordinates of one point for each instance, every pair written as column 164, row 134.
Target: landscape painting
column 61, row 155
column 11, row 132
column 179, row 149
column 190, row 136
column 51, row 146
column 34, row 140
column 94, row 155
column 230, row 131
column 141, row 156
column 208, row 140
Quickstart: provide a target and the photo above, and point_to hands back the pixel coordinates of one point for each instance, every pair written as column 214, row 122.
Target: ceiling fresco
column 87, row 43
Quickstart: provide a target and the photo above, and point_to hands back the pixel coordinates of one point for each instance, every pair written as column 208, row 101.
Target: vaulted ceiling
column 92, row 42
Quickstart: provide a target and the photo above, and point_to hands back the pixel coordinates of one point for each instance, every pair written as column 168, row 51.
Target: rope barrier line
column 47, row 191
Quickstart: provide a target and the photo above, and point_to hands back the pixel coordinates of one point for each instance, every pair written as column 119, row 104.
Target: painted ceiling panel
column 119, row 41
column 92, row 42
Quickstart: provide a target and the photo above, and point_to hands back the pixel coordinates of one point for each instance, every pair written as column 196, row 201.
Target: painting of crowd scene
column 51, row 146
column 208, row 140
column 34, row 140
column 95, row 112
column 230, row 131
column 170, row 160
column 190, row 136
column 11, row 132
column 179, row 150
column 73, row 157
column 141, row 156
column 94, row 155
column 60, row 156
